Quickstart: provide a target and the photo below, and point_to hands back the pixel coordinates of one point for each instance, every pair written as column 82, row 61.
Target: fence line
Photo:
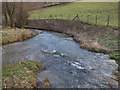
column 82, row 18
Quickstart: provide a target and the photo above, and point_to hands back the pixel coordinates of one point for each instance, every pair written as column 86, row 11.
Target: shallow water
column 64, row 62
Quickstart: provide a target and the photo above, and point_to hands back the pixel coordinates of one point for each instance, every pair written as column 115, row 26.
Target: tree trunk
column 6, row 19
column 11, row 22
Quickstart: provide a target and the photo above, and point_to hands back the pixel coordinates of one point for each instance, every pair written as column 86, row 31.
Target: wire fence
column 90, row 19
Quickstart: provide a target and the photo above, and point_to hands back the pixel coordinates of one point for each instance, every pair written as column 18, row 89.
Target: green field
column 83, row 9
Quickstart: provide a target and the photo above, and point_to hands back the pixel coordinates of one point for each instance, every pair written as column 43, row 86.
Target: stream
column 64, row 62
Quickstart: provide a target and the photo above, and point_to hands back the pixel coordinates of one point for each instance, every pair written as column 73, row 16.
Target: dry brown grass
column 14, row 35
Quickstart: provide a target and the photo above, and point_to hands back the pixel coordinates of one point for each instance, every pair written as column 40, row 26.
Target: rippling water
column 64, row 62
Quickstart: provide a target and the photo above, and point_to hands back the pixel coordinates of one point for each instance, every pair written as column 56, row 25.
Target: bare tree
column 22, row 15
column 4, row 12
column 15, row 13
column 11, row 9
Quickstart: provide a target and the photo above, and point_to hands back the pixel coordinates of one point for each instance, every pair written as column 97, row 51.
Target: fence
column 90, row 19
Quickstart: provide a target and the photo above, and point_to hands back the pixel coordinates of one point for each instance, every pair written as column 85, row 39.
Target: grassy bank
column 70, row 10
column 20, row 75
column 15, row 35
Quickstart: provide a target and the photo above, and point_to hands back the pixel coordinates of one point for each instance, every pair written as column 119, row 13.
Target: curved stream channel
column 64, row 62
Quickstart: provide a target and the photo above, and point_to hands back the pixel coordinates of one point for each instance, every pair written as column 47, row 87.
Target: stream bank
column 20, row 75
column 64, row 62
column 94, row 38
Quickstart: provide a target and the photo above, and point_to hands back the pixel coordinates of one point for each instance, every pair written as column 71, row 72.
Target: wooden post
column 34, row 17
column 68, row 16
column 81, row 18
column 75, row 17
column 96, row 20
column 61, row 16
column 78, row 17
column 45, row 17
column 55, row 17
column 35, row 20
column 52, row 17
column 88, row 18
column 49, row 17
column 108, row 21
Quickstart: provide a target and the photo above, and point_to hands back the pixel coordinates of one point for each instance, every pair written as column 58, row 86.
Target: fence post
column 75, row 17
column 49, row 17
column 61, row 16
column 88, row 18
column 55, row 17
column 45, row 17
column 108, row 21
column 81, row 18
column 96, row 20
column 68, row 16
column 78, row 17
column 34, row 17
column 35, row 20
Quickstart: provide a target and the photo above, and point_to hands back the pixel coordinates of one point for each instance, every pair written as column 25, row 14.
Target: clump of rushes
column 14, row 35
column 20, row 75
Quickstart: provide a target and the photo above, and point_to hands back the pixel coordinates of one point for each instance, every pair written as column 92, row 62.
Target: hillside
column 70, row 10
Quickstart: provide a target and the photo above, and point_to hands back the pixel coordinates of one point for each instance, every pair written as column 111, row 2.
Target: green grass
column 109, row 40
column 20, row 75
column 102, row 9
